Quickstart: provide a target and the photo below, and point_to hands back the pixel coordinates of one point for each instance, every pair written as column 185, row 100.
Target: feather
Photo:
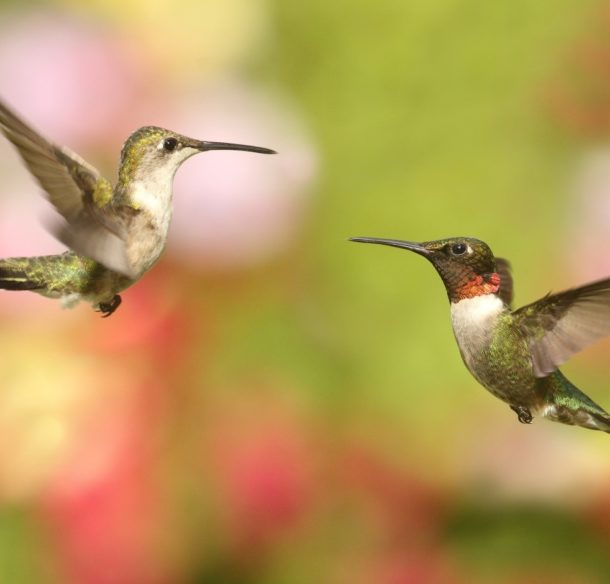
column 506, row 281
column 562, row 324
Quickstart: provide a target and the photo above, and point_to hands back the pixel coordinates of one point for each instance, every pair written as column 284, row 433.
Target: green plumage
column 573, row 406
column 505, row 368
column 62, row 275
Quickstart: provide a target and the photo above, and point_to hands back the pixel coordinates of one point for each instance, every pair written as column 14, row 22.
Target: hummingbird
column 114, row 233
column 515, row 354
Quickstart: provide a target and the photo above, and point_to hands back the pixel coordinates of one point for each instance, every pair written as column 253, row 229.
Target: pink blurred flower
column 234, row 208
column 590, row 217
column 71, row 77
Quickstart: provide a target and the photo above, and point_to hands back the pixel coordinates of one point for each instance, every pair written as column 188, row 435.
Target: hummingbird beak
column 205, row 146
column 410, row 245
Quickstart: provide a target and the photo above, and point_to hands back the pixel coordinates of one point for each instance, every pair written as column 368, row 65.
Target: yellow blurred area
column 195, row 37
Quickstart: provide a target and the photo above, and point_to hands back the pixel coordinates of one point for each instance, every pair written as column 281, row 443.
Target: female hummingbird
column 515, row 354
column 115, row 234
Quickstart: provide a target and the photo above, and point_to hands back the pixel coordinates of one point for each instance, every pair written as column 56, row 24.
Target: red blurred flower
column 427, row 566
column 404, row 507
column 578, row 99
column 105, row 511
column 263, row 462
column 154, row 326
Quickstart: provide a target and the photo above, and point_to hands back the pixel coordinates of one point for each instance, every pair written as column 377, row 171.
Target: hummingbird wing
column 72, row 184
column 559, row 325
column 99, row 236
column 506, row 281
column 64, row 175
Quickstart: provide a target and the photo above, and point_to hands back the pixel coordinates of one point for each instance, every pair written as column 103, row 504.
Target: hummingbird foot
column 524, row 415
column 107, row 308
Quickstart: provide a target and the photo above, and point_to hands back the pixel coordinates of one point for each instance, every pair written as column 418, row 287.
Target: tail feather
column 602, row 421
column 569, row 405
column 66, row 276
column 47, row 275
column 579, row 417
column 14, row 278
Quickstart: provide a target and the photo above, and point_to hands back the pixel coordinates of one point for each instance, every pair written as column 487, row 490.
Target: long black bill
column 411, row 245
column 205, row 146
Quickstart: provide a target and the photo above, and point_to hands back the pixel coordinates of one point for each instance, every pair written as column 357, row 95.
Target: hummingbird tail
column 48, row 275
column 569, row 405
column 15, row 277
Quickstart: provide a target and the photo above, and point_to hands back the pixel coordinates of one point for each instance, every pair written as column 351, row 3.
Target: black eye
column 169, row 144
column 458, row 248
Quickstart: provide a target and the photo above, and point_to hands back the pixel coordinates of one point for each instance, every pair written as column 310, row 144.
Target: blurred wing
column 62, row 174
column 506, row 281
column 562, row 324
column 70, row 183
column 98, row 236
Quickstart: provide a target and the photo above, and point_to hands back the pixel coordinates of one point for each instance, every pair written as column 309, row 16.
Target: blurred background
column 273, row 404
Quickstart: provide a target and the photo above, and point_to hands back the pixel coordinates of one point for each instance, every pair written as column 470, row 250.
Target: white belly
column 148, row 232
column 473, row 321
column 156, row 201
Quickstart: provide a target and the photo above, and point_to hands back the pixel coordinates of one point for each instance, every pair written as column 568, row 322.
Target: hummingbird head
column 155, row 153
column 466, row 265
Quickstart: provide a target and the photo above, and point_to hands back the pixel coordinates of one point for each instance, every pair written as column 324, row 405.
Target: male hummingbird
column 115, row 234
column 515, row 354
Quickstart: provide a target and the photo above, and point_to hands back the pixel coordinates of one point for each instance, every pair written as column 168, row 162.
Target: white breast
column 154, row 197
column 473, row 320
column 148, row 231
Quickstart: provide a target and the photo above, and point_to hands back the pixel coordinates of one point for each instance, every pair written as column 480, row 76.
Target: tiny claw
column 523, row 414
column 107, row 308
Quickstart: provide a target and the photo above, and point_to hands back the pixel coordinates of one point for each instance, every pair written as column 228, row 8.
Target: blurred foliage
column 527, row 539
column 20, row 533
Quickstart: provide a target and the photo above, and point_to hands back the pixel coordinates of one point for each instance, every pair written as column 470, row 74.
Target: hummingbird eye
column 169, row 144
column 459, row 248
